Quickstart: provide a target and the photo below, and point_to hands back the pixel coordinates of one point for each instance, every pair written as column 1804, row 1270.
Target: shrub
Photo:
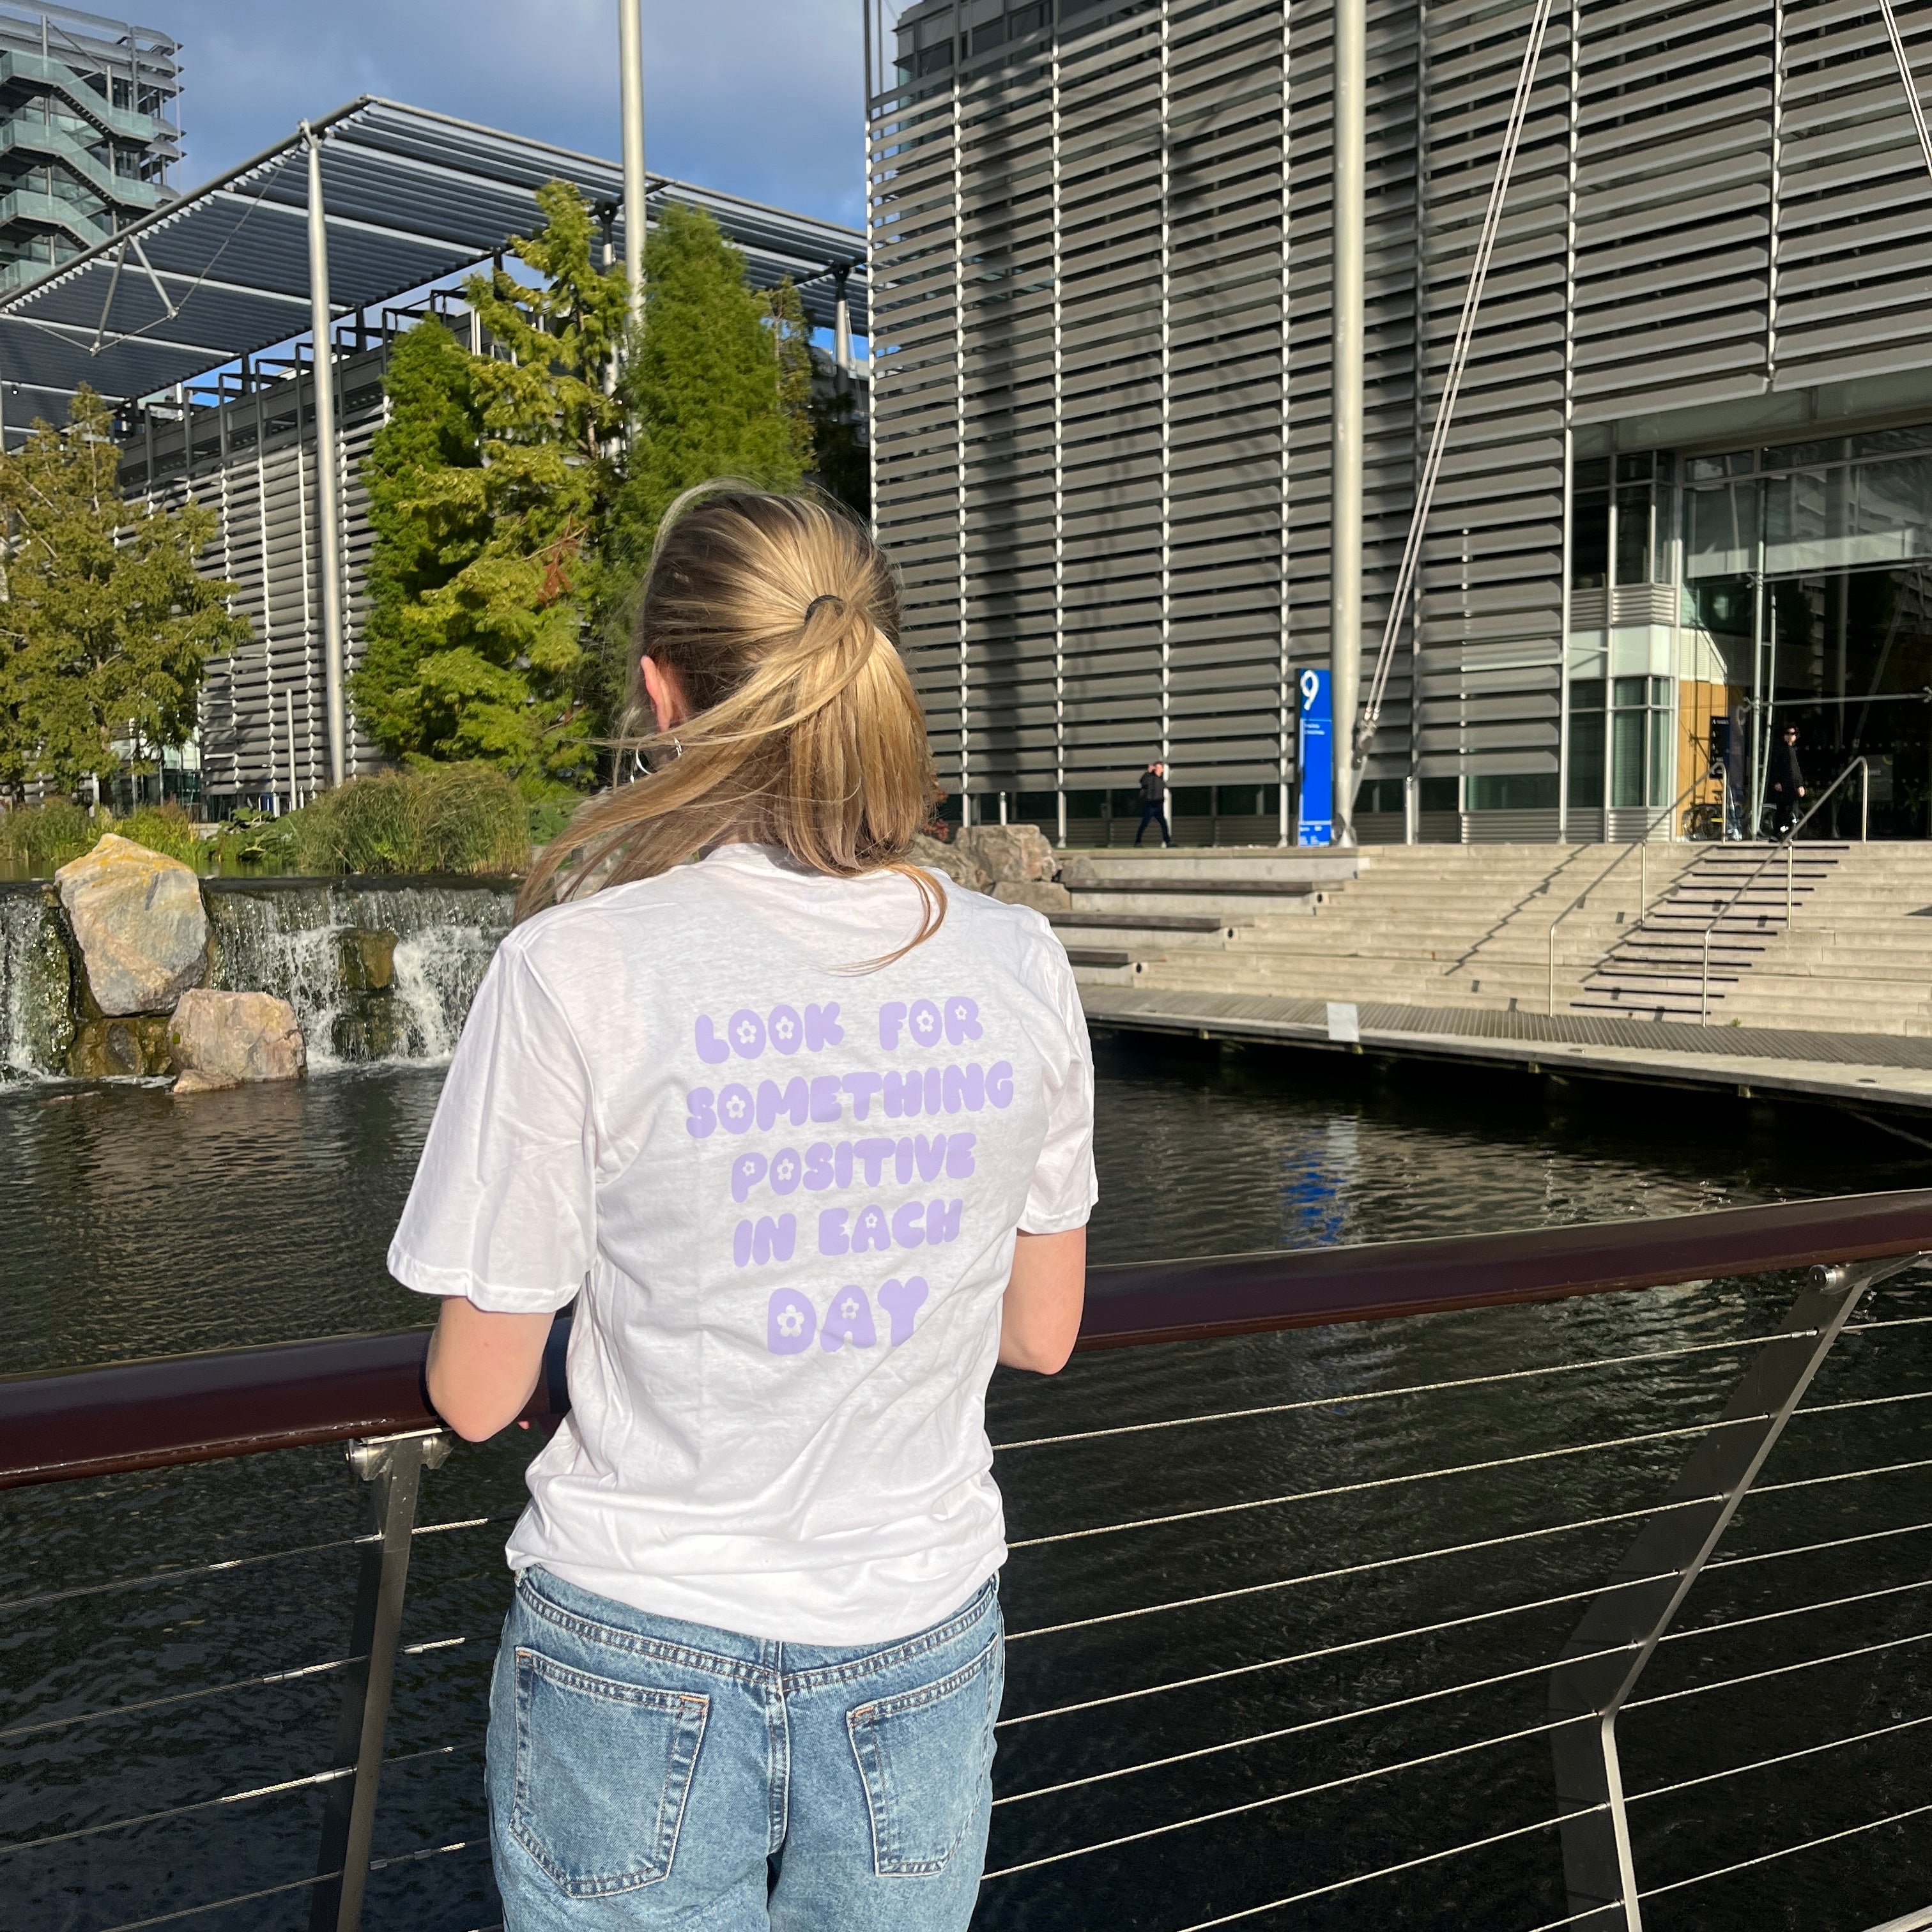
column 162, row 828
column 438, row 818
column 44, row 837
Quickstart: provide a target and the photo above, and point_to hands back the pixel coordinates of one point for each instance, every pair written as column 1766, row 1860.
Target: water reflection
column 138, row 1224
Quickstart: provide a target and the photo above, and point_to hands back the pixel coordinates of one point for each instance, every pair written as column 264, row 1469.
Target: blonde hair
column 779, row 618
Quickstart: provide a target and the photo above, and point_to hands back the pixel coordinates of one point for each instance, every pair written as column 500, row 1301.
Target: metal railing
column 1787, row 847
column 1128, row 1758
column 1642, row 847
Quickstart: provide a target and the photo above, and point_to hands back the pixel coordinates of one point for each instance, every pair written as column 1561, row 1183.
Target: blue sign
column 1317, row 766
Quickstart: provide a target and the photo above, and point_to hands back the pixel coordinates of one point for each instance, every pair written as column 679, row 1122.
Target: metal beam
column 1596, row 1675
column 636, row 183
column 1344, row 484
column 328, row 506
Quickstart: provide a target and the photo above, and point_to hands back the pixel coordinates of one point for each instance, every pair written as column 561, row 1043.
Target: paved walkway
column 1868, row 1069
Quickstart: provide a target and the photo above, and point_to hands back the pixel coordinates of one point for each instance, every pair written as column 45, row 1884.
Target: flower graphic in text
column 785, row 1027
column 735, row 1107
column 848, row 1308
column 747, row 1031
column 790, row 1321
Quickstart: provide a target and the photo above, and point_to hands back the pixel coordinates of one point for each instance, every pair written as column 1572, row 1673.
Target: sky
column 758, row 97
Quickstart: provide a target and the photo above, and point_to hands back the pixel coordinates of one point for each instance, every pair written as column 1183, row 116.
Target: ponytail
column 779, row 617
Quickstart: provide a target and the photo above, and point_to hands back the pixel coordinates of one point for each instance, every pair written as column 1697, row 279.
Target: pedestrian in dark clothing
column 1787, row 781
column 1153, row 802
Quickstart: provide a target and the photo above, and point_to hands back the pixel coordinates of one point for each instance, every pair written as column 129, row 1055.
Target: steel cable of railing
column 1446, row 1755
column 1444, row 1626
column 1359, row 734
column 308, row 1781
column 1459, row 1672
column 1382, row 1871
column 300, row 1673
column 1332, row 1718
column 1485, row 1467
column 188, row 1571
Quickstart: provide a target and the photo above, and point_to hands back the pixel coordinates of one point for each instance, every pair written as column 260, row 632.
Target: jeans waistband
column 600, row 1620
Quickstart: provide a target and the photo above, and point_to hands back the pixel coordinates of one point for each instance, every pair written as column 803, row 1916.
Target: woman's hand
column 483, row 1368
column 1039, row 1319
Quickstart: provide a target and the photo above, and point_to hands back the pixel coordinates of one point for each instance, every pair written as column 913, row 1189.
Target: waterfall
column 374, row 972
column 36, row 1021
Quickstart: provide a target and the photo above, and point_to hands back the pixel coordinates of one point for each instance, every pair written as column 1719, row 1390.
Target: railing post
column 1704, row 984
column 1628, row 1617
column 391, row 1466
column 1790, row 846
column 1864, row 799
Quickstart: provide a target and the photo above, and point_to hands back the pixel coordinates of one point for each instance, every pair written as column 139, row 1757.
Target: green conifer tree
column 105, row 626
column 714, row 386
column 491, row 488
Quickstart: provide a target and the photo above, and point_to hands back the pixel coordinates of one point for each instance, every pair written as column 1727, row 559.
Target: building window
column 1627, row 740
column 1621, row 516
column 1843, row 503
column 1513, row 791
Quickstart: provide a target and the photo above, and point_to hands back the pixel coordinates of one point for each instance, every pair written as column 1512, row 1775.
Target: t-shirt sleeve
column 1064, row 1188
column 503, row 1209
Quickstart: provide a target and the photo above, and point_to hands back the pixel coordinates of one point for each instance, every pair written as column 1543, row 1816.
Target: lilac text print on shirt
column 793, row 1321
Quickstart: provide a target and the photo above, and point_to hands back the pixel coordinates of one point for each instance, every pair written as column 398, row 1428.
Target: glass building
column 1687, row 495
column 88, row 133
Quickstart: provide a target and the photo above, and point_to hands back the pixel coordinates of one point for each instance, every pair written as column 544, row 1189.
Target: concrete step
column 1203, row 901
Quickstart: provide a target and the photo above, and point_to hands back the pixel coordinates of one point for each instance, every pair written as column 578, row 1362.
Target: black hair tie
column 817, row 601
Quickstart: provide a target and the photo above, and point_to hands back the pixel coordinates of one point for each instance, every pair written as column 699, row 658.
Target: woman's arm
column 1040, row 1317
column 483, row 1368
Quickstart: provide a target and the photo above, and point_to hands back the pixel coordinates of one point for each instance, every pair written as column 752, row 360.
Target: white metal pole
column 328, row 496
column 841, row 322
column 1344, row 515
column 631, row 73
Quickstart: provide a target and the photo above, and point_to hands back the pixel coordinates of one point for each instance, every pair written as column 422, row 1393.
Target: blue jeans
column 646, row 1772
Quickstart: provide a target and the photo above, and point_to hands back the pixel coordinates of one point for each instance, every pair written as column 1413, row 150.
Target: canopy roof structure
column 410, row 197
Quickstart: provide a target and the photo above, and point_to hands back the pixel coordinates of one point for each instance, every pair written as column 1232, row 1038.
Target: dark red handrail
column 237, row 1402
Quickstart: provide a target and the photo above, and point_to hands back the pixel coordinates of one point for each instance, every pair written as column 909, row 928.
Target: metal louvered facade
column 1100, row 277
column 264, row 731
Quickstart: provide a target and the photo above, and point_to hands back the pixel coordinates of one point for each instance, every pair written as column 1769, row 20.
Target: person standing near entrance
column 1787, row 780
column 1153, row 802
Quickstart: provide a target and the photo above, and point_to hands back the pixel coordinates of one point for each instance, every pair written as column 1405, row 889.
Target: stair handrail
column 1642, row 846
column 1785, row 845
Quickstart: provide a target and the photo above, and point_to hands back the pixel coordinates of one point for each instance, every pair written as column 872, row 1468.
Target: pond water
column 137, row 1226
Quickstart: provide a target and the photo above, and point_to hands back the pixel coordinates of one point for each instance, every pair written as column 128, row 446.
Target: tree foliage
column 490, row 489
column 105, row 625
column 514, row 494
column 718, row 384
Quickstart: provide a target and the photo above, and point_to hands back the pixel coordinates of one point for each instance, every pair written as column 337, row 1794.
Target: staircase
column 1743, row 897
column 1129, row 908
column 1470, row 926
column 1433, row 925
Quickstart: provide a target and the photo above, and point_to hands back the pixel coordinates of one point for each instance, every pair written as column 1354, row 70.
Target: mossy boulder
column 121, row 1049
column 367, row 959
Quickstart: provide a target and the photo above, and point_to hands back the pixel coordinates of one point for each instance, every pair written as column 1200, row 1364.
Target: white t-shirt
column 786, row 1194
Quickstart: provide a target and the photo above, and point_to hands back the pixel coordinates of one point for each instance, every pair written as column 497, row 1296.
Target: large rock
column 137, row 915
column 1011, row 854
column 222, row 1040
column 959, row 865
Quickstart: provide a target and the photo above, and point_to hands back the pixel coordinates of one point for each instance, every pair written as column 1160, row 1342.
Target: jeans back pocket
column 603, row 1769
column 926, row 1755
